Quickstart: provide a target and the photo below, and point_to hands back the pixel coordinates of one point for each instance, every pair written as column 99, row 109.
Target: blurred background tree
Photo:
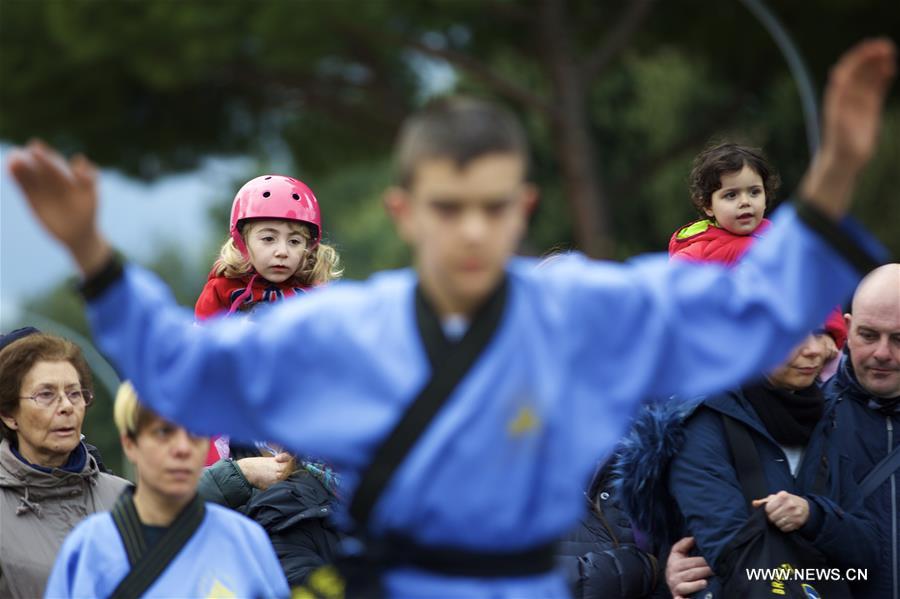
column 617, row 95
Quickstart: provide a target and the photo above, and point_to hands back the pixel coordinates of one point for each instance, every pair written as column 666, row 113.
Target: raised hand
column 854, row 99
column 852, row 110
column 63, row 196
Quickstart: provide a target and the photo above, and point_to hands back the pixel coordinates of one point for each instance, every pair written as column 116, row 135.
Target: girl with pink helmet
column 274, row 249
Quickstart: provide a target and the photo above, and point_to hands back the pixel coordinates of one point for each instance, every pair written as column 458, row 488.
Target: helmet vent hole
column 266, row 194
column 267, row 178
column 295, row 196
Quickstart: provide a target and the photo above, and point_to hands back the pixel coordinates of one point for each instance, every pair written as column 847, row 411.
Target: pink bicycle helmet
column 274, row 197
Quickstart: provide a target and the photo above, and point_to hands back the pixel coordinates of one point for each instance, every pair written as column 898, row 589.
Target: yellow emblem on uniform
column 525, row 420
column 220, row 591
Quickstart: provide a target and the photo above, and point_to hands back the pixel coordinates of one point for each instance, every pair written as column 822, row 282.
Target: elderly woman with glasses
column 48, row 480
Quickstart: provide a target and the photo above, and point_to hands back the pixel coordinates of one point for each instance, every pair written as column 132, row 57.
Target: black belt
column 363, row 563
column 399, row 551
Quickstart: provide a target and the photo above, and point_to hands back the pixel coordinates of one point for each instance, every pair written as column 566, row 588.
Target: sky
column 135, row 216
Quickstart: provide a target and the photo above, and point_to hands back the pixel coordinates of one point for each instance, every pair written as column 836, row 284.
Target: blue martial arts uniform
column 228, row 555
column 503, row 465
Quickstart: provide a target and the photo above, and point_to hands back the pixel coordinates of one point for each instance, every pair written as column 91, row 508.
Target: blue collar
column 847, row 384
column 75, row 463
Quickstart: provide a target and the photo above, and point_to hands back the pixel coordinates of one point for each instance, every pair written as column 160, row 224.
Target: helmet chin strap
column 241, row 245
column 247, row 292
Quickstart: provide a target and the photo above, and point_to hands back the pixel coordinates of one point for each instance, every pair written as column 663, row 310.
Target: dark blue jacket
column 294, row 512
column 866, row 436
column 708, row 501
column 600, row 557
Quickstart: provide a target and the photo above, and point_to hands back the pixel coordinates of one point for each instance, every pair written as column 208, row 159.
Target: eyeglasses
column 47, row 397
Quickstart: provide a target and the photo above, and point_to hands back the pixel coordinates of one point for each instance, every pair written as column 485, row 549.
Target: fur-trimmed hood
column 642, row 462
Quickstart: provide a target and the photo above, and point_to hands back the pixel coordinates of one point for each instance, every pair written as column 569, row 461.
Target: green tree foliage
column 152, row 86
column 618, row 95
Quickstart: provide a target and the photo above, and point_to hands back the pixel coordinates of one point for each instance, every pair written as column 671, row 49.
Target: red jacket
column 837, row 328
column 703, row 241
column 220, row 293
column 217, row 297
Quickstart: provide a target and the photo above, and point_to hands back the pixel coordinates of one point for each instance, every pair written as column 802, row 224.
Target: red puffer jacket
column 220, row 293
column 703, row 241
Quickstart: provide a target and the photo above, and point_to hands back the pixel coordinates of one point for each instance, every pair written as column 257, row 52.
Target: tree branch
column 485, row 74
column 648, row 167
column 510, row 11
column 615, row 42
column 576, row 149
column 327, row 97
column 464, row 62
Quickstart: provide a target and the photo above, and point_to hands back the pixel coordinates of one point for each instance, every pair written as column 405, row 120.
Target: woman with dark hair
column 48, row 480
column 604, row 557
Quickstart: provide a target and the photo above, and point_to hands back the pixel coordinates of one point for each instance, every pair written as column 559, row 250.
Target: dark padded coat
column 293, row 512
column 867, row 436
column 599, row 557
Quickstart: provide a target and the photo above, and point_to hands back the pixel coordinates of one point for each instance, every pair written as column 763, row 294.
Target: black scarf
column 789, row 416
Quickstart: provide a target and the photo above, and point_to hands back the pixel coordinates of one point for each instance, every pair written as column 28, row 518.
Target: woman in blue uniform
column 161, row 540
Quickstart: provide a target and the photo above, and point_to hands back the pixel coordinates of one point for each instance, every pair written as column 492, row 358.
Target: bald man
column 867, row 428
column 867, row 391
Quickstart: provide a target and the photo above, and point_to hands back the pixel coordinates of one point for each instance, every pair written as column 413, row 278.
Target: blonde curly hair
column 320, row 266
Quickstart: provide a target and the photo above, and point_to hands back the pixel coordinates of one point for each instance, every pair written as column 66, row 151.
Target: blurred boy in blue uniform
column 499, row 472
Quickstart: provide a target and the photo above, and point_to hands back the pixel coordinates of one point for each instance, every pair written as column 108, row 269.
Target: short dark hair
column 19, row 357
column 459, row 128
column 720, row 159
